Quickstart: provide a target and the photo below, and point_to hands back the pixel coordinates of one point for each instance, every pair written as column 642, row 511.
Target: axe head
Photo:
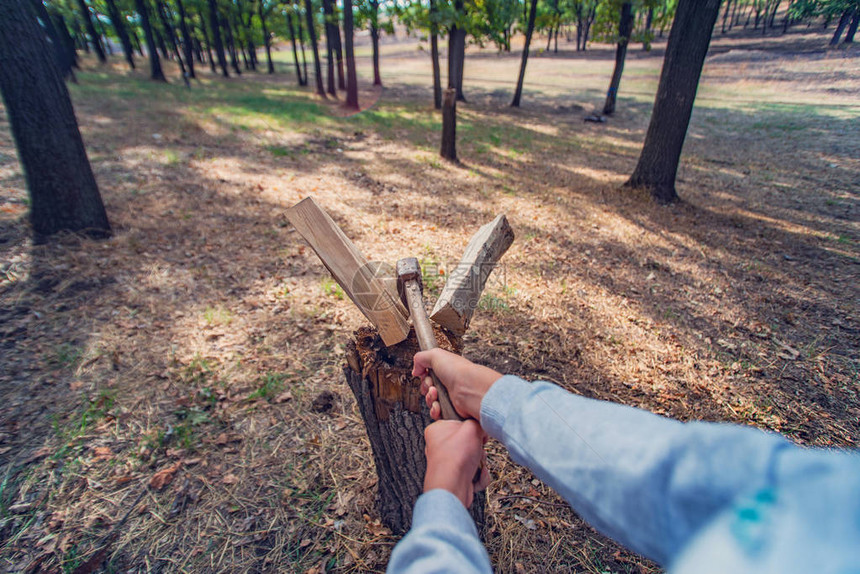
column 408, row 269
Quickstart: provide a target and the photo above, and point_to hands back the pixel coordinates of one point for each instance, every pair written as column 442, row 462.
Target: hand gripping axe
column 410, row 288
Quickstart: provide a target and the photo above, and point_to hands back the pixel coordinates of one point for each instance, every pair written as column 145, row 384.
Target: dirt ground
column 171, row 399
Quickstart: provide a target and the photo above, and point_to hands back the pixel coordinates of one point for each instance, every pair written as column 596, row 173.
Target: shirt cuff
column 505, row 393
column 440, row 506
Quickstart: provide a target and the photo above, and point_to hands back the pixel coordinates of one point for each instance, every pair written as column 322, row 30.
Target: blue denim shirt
column 698, row 498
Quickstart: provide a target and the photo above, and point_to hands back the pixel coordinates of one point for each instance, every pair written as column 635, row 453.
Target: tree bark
column 159, row 40
column 302, row 46
column 64, row 59
column 60, row 181
column 434, row 56
column 208, row 45
column 395, row 416
column 351, row 75
column 685, row 55
column 625, row 27
column 292, row 31
column 171, row 37
column 215, row 26
column 66, row 37
column 338, row 50
column 187, row 42
column 231, row 46
column 118, row 22
column 448, row 149
column 270, row 66
column 726, row 15
column 649, row 20
column 852, row 29
column 91, row 30
column 374, row 40
column 457, row 53
column 309, row 14
column 155, row 71
column 843, row 22
column 331, row 88
column 529, row 31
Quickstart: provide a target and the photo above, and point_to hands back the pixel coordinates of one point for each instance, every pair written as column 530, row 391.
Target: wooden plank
column 462, row 291
column 359, row 279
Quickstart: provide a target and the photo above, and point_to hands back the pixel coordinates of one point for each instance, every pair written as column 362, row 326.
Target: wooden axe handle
column 427, row 341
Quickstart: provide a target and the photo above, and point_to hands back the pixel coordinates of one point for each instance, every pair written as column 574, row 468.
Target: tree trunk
column 852, row 29
column 625, row 26
column 292, row 31
column 231, row 46
column 649, row 19
column 155, row 72
column 529, row 31
column 843, row 22
column 159, row 40
column 374, row 41
column 138, row 44
column 60, row 181
column 448, row 149
column 309, row 14
column 434, row 56
column 338, row 52
column 208, row 46
column 726, row 15
column 395, row 416
column 118, row 22
column 302, row 46
column 91, row 30
column 351, row 75
column 773, row 13
column 270, row 66
column 58, row 43
column 685, row 55
column 215, row 26
column 187, row 43
column 66, row 38
column 457, row 53
column 103, row 37
column 328, row 15
column 171, row 37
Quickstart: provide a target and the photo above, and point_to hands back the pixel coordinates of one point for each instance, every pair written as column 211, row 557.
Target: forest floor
column 185, row 375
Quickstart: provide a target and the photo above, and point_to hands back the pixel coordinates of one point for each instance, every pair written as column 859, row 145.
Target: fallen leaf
column 284, row 397
column 102, row 453
column 527, row 522
column 230, row 479
column 164, row 477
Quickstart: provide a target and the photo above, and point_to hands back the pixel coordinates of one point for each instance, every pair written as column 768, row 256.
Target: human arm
column 443, row 537
column 649, row 482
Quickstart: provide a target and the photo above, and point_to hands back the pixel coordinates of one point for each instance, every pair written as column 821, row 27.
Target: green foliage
column 270, row 386
column 330, row 287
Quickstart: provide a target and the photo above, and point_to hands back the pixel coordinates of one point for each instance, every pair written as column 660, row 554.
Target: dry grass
column 203, row 342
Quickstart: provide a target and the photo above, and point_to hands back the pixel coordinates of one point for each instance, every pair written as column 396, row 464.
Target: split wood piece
column 395, row 416
column 462, row 291
column 360, row 279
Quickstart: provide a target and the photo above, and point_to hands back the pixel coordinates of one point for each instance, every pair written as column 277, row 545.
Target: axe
column 409, row 286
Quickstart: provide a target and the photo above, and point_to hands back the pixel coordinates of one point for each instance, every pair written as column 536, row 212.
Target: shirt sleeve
column 648, row 482
column 443, row 539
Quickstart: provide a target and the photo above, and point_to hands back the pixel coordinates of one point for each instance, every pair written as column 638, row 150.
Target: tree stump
column 449, row 125
column 395, row 416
